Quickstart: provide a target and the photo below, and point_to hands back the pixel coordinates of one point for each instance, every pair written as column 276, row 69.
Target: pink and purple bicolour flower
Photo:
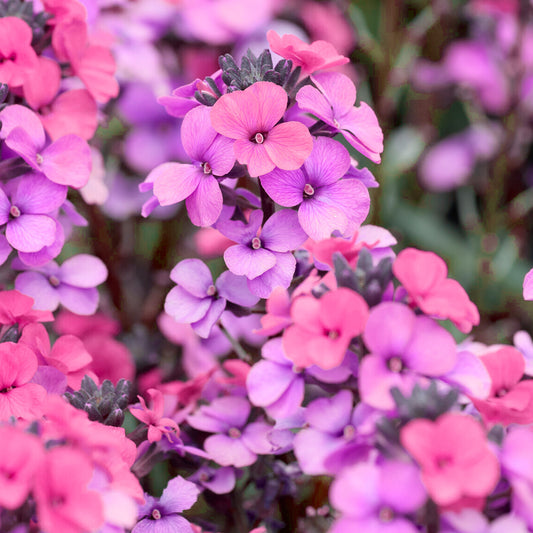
column 332, row 101
column 264, row 257
column 211, row 155
column 251, row 118
column 326, row 202
column 73, row 284
column 196, row 300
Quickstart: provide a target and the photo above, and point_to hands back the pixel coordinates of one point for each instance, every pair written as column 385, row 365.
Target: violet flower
column 161, row 515
column 196, row 300
column 265, row 258
column 327, row 202
column 73, row 284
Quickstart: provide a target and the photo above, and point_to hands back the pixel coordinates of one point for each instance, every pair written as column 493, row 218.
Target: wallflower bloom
column 311, row 57
column 424, row 276
column 454, row 455
column 323, row 328
column 510, row 400
column 251, row 118
column 332, row 100
column 327, row 202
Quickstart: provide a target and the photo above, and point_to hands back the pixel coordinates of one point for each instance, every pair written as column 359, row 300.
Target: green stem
column 239, row 350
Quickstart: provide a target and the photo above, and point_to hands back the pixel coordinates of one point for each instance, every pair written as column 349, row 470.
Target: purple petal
column 285, row 187
column 239, row 231
column 319, row 219
column 528, row 286
column 350, row 196
column 36, row 285
column 203, row 326
column 282, row 232
column 255, row 437
column 15, row 116
column 46, row 254
column 400, row 486
column 222, row 480
column 79, row 301
column 50, row 378
column 312, row 448
column 166, row 524
column 469, row 375
column 173, row 182
column 35, row 194
column 338, row 89
column 313, row 101
column 184, row 307
column 220, row 155
column 235, row 289
column 84, row 271
column 30, row 233
column 5, row 249
column 5, row 206
column 289, row 402
column 21, row 142
column 233, row 410
column 329, row 161
column 245, row 261
column 67, row 161
column 204, row 205
column 330, row 415
column 179, row 495
column 267, row 381
column 197, row 133
column 229, row 452
column 280, row 275
column 194, row 276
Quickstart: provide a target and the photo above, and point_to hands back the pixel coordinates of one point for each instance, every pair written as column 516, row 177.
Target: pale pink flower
column 454, row 456
column 251, row 118
column 310, row 57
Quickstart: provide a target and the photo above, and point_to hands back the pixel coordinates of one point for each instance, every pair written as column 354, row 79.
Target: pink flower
column 323, row 328
column 153, row 418
column 17, row 57
column 64, row 504
column 251, row 118
column 19, row 397
column 424, row 276
column 454, row 455
column 16, row 308
column 20, row 456
column 311, row 57
column 510, row 400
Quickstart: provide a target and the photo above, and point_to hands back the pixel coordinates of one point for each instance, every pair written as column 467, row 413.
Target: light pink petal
column 173, row 182
column 71, row 352
column 18, row 116
column 72, row 112
column 245, row 261
column 254, row 156
column 271, row 101
column 36, row 285
column 288, row 145
column 528, row 286
column 229, row 452
column 79, row 301
column 68, row 161
column 83, row 271
column 285, row 187
column 43, row 85
column 197, row 133
column 96, row 70
column 235, row 115
column 30, row 233
column 204, row 205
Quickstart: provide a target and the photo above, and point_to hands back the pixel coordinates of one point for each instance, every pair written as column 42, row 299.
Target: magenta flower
column 251, row 118
column 67, row 161
column 326, row 202
column 159, row 515
column 73, row 284
column 403, row 349
column 311, row 57
column 211, row 156
column 17, row 57
column 27, row 211
column 454, row 455
column 333, row 102
column 19, row 397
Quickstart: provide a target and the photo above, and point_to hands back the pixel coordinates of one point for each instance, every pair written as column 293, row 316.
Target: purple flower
column 196, row 300
column 217, row 480
column 327, row 202
column 234, row 443
column 333, row 102
column 164, row 514
column 26, row 207
column 404, row 348
column 66, row 161
column 211, row 155
column 265, row 258
column 336, row 434
column 376, row 497
column 73, row 284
